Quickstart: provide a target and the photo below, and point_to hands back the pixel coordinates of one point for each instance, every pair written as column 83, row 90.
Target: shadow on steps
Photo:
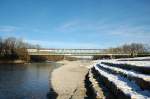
column 52, row 94
column 89, row 91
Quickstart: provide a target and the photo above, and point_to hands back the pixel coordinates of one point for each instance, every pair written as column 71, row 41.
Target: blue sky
column 76, row 23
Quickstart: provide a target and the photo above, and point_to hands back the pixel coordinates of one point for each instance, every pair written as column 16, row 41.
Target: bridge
column 72, row 52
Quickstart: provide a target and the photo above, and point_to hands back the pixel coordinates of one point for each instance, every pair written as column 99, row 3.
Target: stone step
column 142, row 80
column 140, row 69
column 121, row 87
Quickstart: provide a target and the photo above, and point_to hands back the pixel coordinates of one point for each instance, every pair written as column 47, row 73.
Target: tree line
column 133, row 49
column 12, row 48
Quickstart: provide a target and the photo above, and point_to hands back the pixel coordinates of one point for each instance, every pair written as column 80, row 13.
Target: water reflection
column 28, row 81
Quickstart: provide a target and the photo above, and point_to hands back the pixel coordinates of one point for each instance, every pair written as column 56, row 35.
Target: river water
column 26, row 81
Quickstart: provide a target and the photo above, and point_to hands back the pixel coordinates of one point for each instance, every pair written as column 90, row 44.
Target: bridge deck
column 79, row 54
column 75, row 52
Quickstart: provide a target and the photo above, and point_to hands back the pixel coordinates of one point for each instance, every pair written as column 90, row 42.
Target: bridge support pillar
column 111, row 57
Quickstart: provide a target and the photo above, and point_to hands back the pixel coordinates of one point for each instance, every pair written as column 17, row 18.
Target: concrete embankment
column 120, row 83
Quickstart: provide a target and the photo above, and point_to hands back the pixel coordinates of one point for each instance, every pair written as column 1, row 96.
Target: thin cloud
column 67, row 26
column 130, row 31
column 98, row 28
column 8, row 29
column 61, row 44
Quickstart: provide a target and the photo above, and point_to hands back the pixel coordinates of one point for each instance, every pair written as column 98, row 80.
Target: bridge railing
column 66, row 53
column 71, row 52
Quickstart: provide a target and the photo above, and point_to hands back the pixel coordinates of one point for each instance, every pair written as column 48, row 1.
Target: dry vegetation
column 14, row 49
column 133, row 49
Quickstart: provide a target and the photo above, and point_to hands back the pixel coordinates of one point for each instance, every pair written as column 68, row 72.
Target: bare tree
column 12, row 48
column 133, row 48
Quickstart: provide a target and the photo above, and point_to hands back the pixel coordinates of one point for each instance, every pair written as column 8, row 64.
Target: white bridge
column 71, row 52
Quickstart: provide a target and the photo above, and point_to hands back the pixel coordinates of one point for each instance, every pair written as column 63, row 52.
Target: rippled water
column 27, row 81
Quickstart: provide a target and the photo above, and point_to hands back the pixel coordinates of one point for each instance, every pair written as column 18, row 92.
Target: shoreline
column 68, row 81
column 13, row 62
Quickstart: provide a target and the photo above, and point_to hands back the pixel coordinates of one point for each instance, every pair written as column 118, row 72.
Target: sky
column 76, row 23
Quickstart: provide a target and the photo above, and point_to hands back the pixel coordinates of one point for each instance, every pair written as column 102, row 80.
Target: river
column 26, row 81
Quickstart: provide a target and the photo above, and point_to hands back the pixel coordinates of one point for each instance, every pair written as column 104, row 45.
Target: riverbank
column 68, row 80
column 12, row 62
